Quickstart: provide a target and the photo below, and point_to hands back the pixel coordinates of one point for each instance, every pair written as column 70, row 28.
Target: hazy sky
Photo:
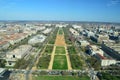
column 71, row 10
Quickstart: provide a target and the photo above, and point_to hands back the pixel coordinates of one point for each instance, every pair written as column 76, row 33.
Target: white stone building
column 83, row 43
column 48, row 30
column 37, row 39
column 105, row 61
column 93, row 49
column 74, row 32
column 18, row 53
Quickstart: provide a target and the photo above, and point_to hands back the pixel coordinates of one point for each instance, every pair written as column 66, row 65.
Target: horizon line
column 65, row 21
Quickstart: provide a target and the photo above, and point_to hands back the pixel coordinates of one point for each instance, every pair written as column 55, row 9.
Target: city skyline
column 63, row 10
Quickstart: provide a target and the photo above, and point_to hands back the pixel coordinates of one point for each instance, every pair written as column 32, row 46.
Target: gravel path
column 68, row 59
column 52, row 58
column 60, row 41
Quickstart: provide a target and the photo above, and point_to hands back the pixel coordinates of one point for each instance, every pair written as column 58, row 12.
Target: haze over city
column 64, row 10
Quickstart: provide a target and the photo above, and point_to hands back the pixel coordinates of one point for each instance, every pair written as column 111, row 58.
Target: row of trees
column 76, row 62
column 107, row 76
column 2, row 63
column 44, row 62
column 71, row 50
column 94, row 63
column 48, row 49
column 83, row 76
column 67, row 35
column 23, row 63
column 53, row 36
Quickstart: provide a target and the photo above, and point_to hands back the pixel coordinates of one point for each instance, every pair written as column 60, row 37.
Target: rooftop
column 3, row 42
column 1, row 70
column 20, row 50
column 102, row 57
column 37, row 39
column 114, row 46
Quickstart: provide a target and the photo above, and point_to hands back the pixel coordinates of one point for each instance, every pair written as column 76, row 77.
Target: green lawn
column 61, row 78
column 60, row 62
column 60, row 50
column 84, row 78
column 44, row 62
column 60, row 31
column 48, row 49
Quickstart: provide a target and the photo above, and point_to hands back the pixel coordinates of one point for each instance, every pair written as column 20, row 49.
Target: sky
column 65, row 10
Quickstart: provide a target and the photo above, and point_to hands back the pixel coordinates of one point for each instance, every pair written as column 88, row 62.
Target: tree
column 20, row 63
column 2, row 63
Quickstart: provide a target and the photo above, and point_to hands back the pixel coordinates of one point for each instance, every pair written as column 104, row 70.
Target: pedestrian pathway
column 68, row 59
column 60, row 41
column 52, row 58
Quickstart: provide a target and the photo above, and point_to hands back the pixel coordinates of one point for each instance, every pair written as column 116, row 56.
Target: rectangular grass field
column 60, row 62
column 60, row 50
column 60, row 31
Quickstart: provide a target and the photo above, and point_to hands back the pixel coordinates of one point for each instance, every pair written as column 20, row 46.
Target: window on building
column 13, row 56
column 9, row 63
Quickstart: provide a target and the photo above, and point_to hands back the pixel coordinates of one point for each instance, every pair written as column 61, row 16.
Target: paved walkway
column 60, row 41
column 68, row 59
column 52, row 58
column 30, row 77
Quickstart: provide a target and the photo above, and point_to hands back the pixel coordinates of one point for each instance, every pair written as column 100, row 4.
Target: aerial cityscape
column 59, row 40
